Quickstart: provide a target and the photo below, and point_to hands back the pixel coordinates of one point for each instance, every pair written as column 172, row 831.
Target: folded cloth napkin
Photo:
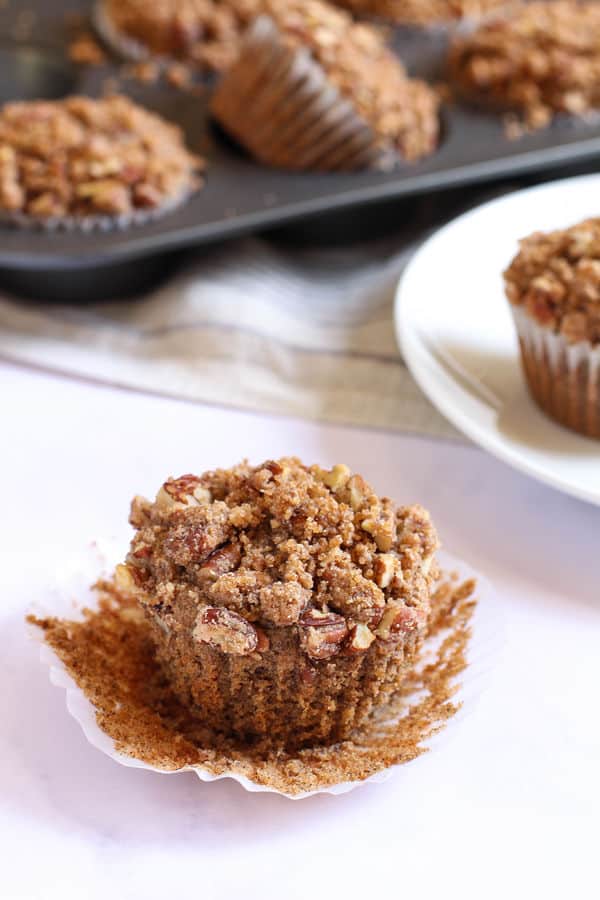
column 257, row 324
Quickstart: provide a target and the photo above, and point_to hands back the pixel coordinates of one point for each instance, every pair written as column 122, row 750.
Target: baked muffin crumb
column 555, row 278
column 540, row 58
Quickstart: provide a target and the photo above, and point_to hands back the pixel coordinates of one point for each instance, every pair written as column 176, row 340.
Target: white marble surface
column 510, row 808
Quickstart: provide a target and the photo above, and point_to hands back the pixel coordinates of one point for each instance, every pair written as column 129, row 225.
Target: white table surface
column 511, row 807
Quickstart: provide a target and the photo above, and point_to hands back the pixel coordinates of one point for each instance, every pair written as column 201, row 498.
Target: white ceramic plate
column 456, row 333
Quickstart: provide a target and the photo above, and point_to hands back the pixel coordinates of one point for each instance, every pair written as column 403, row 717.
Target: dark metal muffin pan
column 240, row 195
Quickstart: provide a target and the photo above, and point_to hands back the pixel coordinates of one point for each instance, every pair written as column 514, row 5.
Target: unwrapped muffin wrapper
column 278, row 103
column 100, row 558
column 563, row 377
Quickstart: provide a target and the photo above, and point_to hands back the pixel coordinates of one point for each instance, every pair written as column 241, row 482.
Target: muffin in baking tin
column 85, row 163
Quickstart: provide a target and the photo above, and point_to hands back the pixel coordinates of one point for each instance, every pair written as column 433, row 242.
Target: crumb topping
column 85, row 157
column 282, row 545
column 205, row 33
column 420, row 12
column 555, row 277
column 539, row 59
column 402, row 111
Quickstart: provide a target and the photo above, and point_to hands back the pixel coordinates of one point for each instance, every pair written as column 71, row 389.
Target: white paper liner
column 72, row 592
column 563, row 377
column 126, row 47
column 88, row 224
column 293, row 116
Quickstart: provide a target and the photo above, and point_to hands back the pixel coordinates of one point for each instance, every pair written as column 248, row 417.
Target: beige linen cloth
column 256, row 324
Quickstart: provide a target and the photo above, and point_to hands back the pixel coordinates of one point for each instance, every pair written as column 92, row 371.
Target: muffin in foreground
column 313, row 89
column 204, row 33
column 85, row 162
column 421, row 12
column 553, row 285
column 286, row 603
column 537, row 59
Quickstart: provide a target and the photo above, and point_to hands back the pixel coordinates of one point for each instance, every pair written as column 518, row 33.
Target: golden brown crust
column 538, row 59
column 555, row 279
column 82, row 157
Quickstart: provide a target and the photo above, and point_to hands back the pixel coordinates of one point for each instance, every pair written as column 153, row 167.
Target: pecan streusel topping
column 282, row 545
column 420, row 12
column 205, row 33
column 538, row 59
column 555, row 277
column 84, row 157
column 402, row 111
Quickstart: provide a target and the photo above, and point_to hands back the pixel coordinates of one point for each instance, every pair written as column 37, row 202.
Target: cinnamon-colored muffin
column 537, row 59
column 421, row 12
column 204, row 33
column 553, row 285
column 81, row 160
column 286, row 602
column 314, row 89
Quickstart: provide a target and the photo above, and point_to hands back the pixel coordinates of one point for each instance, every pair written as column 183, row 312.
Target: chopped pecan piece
column 226, row 631
column 197, row 532
column 221, row 561
column 399, row 620
column 180, row 493
column 360, row 639
column 322, row 633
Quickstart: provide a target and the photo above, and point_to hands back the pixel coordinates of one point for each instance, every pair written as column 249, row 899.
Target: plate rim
column 408, row 343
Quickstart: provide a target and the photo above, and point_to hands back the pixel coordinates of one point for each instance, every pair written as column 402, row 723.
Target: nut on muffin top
column 555, row 278
column 420, row 12
column 205, row 33
column 83, row 157
column 537, row 58
column 402, row 111
column 282, row 545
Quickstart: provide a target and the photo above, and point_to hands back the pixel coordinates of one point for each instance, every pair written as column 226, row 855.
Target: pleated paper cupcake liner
column 563, row 378
column 278, row 103
column 90, row 224
column 72, row 593
column 124, row 46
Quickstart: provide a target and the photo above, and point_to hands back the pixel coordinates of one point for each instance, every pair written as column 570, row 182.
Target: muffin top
column 555, row 278
column 420, row 12
column 538, row 58
column 203, row 32
column 83, row 157
column 282, row 545
column 402, row 112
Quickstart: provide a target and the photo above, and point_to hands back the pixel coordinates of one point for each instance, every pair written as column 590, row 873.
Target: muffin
column 313, row 89
column 538, row 60
column 421, row 12
column 553, row 285
column 286, row 602
column 203, row 33
column 81, row 162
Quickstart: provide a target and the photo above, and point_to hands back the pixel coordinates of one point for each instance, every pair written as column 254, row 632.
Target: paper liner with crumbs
column 110, row 657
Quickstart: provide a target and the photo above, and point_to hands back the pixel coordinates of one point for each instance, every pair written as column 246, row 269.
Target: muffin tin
column 240, row 196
